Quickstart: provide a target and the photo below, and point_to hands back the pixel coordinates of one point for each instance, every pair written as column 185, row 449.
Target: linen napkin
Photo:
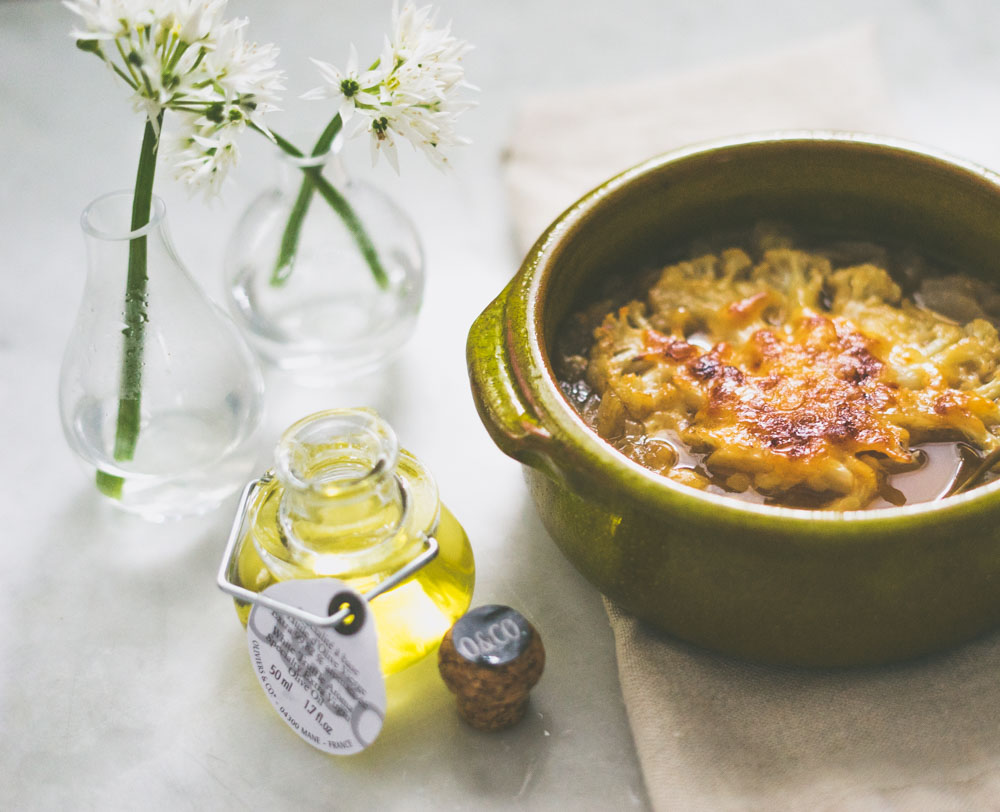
column 714, row 733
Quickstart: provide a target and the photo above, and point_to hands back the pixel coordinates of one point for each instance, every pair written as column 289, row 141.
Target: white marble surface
column 124, row 678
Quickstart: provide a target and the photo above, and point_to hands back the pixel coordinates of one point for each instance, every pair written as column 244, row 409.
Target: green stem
column 293, row 228
column 313, row 181
column 130, row 387
column 340, row 205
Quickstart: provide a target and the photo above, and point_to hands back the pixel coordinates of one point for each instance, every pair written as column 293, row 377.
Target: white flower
column 412, row 92
column 348, row 87
column 197, row 19
column 244, row 74
column 202, row 155
column 426, row 60
column 382, row 141
column 180, row 55
column 104, row 19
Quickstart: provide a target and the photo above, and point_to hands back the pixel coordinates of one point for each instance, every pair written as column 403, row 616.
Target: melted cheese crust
column 807, row 383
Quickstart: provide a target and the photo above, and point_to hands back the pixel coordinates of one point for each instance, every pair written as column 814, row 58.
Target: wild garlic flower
column 349, row 88
column 202, row 154
column 412, row 90
column 181, row 55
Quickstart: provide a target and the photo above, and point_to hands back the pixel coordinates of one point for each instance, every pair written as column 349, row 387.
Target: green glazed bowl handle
column 508, row 417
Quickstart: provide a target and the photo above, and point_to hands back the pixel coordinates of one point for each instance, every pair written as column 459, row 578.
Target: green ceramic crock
column 771, row 584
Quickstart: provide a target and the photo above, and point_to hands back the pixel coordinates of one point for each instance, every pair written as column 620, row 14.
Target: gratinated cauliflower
column 803, row 382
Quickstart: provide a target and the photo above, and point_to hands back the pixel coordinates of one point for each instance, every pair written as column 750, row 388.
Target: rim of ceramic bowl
column 528, row 290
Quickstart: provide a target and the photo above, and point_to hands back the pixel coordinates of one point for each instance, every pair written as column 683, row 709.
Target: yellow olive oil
column 344, row 502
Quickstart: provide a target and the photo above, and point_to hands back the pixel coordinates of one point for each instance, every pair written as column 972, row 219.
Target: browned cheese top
column 803, row 382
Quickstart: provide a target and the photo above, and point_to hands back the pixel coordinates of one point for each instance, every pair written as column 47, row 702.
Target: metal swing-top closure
column 227, row 568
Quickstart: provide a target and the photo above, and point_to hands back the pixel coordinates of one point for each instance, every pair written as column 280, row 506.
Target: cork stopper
column 491, row 659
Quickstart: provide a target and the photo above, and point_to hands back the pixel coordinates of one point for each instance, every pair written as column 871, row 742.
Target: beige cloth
column 714, row 733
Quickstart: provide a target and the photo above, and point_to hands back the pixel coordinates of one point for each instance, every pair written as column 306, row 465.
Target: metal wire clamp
column 226, row 584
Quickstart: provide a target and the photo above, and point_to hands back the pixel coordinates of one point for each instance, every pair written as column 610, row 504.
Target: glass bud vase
column 312, row 304
column 177, row 437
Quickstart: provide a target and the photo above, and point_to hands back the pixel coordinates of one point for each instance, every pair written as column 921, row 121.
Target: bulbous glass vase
column 313, row 306
column 176, row 439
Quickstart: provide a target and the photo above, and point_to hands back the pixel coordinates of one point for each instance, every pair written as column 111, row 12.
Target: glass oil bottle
column 344, row 501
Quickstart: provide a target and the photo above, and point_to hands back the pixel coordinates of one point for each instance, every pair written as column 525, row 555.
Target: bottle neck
column 109, row 236
column 342, row 505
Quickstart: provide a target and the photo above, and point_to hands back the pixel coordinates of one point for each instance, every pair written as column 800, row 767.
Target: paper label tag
column 325, row 682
